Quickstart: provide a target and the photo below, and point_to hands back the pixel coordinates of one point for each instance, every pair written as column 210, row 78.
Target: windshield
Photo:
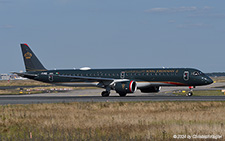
column 197, row 73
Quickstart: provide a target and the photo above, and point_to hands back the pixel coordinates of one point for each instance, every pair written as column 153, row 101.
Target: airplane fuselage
column 143, row 77
column 123, row 81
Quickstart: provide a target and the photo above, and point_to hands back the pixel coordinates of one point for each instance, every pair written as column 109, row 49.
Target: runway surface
column 66, row 99
column 93, row 95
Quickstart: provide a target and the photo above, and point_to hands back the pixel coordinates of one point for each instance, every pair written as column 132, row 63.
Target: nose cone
column 209, row 81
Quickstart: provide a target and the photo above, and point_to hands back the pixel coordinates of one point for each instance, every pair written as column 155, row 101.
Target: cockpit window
column 196, row 73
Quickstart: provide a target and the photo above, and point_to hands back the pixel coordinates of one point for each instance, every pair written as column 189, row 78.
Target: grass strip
column 111, row 121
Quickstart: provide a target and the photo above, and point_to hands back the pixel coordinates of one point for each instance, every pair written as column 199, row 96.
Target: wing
column 85, row 78
column 102, row 81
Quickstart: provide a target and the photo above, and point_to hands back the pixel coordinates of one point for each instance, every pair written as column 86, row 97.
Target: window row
column 126, row 74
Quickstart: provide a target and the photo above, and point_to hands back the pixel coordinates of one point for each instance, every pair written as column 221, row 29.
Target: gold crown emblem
column 28, row 55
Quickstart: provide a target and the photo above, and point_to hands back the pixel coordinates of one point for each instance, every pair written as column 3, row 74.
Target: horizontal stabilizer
column 25, row 75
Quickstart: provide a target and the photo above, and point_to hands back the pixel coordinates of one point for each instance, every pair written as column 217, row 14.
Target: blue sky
column 114, row 34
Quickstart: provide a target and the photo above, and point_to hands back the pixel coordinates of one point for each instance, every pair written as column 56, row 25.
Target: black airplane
column 123, row 81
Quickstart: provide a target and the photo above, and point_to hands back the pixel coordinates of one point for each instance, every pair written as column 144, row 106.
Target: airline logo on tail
column 28, row 55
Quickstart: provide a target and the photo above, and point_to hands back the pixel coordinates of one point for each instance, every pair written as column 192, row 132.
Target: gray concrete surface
column 94, row 95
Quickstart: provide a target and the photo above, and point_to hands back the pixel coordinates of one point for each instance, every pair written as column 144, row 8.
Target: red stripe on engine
column 130, row 86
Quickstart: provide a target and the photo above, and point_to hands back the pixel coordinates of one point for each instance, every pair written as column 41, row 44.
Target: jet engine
column 125, row 87
column 152, row 89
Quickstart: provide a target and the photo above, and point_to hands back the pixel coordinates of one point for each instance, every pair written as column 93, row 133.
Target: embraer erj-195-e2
column 123, row 81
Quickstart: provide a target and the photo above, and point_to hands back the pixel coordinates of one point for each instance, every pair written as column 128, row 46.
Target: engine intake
column 126, row 87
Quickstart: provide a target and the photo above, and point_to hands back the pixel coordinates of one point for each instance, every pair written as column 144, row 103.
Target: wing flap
column 102, row 81
column 86, row 78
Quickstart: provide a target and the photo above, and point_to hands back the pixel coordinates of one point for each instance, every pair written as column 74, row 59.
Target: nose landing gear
column 190, row 93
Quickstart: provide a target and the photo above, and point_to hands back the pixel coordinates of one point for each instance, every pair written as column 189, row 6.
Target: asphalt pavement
column 94, row 95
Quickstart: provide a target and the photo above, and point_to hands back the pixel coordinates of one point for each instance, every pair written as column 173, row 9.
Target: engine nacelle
column 126, row 87
column 152, row 89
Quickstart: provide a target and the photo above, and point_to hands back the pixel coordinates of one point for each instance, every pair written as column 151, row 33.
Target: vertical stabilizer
column 30, row 60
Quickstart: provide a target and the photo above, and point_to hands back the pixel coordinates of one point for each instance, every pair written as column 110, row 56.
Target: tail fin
column 30, row 60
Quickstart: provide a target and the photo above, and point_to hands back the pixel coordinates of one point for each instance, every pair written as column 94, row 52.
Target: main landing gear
column 105, row 93
column 122, row 94
column 190, row 93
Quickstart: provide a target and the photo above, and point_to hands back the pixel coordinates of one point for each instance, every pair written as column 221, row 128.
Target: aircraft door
column 122, row 75
column 186, row 75
column 50, row 77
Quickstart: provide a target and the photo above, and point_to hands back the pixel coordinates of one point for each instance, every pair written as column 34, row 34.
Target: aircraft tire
column 189, row 94
column 122, row 94
column 105, row 94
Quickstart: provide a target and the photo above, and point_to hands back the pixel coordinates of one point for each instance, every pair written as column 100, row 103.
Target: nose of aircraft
column 209, row 80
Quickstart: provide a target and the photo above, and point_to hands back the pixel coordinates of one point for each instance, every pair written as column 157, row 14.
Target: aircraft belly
column 149, row 84
column 79, row 84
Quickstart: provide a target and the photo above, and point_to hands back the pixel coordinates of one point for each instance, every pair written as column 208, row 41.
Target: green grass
column 18, row 92
column 37, row 85
column 202, row 93
column 111, row 121
column 6, row 83
column 209, row 93
column 218, row 79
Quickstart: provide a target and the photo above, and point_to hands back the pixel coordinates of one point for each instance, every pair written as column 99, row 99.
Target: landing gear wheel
column 189, row 94
column 122, row 94
column 105, row 94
